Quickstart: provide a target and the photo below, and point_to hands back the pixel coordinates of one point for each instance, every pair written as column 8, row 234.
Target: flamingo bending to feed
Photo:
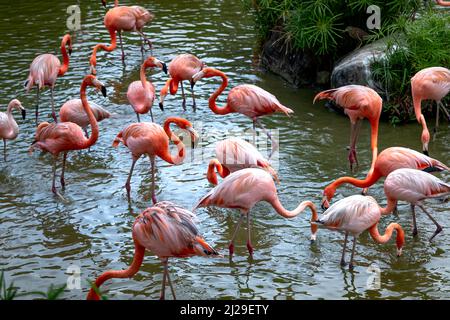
column 73, row 111
column 242, row 190
column 9, row 130
column 118, row 19
column 141, row 94
column 430, row 83
column 359, row 102
column 355, row 214
column 45, row 69
column 414, row 186
column 147, row 138
column 234, row 154
column 247, row 99
column 67, row 136
column 167, row 230
column 387, row 161
column 181, row 68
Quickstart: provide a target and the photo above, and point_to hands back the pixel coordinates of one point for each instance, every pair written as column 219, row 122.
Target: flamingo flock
column 170, row 231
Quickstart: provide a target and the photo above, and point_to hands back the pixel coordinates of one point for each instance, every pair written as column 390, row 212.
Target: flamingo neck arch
column 425, row 138
column 400, row 240
column 212, row 100
column 276, row 204
column 139, row 252
column 390, row 207
column 92, row 121
column 179, row 157
column 371, row 178
column 144, row 81
column 214, row 165
column 65, row 66
column 443, row 3
column 111, row 47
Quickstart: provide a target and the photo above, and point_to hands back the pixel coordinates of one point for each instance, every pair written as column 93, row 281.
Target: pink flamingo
column 430, row 83
column 67, row 136
column 73, row 111
column 145, row 138
column 234, row 154
column 9, row 130
column 45, row 69
column 414, row 186
column 118, row 19
column 141, row 94
column 242, row 190
column 181, row 68
column 387, row 161
column 443, row 3
column 247, row 99
column 355, row 214
column 167, row 230
column 359, row 102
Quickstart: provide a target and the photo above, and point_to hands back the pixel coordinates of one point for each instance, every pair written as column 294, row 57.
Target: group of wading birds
column 168, row 230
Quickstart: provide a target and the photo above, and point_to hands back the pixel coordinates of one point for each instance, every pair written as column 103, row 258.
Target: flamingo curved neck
column 212, row 100
column 387, row 234
column 92, row 121
column 179, row 157
column 144, row 81
column 443, row 3
column 65, row 66
column 111, row 47
column 139, row 252
column 214, row 165
column 371, row 178
column 390, row 207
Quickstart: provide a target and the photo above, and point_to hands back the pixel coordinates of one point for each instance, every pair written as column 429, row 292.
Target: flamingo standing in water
column 242, row 190
column 387, row 161
column 118, row 19
column 359, row 102
column 45, row 69
column 9, row 130
column 167, row 230
column 73, row 111
column 146, row 138
column 181, row 68
column 141, row 94
column 414, row 186
column 355, row 214
column 247, row 99
column 67, row 136
column 430, row 83
column 234, row 154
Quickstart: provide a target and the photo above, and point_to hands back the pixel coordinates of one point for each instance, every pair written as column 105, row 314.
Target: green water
column 41, row 236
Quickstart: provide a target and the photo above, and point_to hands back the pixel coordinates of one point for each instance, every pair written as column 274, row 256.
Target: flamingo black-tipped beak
column 161, row 106
column 26, row 83
column 323, row 207
column 425, row 152
column 104, row 3
column 24, row 113
column 103, row 91
column 164, row 67
column 70, row 51
column 192, row 84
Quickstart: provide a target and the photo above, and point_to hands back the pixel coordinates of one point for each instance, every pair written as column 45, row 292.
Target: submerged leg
column 351, row 266
column 151, row 115
column 274, row 143
column 127, row 184
column 63, row 182
column 152, row 161
column 53, row 106
column 139, row 119
column 4, row 149
column 163, row 289
column 37, row 105
column 54, row 190
column 184, row 97
column 147, row 41
column 438, row 226
column 343, row 250
column 194, row 105
column 166, row 270
column 121, row 46
column 238, row 225
column 413, row 210
column 354, row 133
column 249, row 235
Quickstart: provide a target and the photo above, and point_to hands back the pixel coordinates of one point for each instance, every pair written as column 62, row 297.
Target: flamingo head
column 16, row 104
column 400, row 241
column 425, row 140
column 328, row 194
column 91, row 80
column 207, row 72
column 185, row 125
column 152, row 62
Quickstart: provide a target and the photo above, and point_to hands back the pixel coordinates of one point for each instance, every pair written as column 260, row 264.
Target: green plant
column 7, row 292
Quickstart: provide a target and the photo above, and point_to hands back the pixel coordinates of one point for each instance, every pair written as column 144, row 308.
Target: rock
column 323, row 78
column 296, row 66
column 354, row 68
